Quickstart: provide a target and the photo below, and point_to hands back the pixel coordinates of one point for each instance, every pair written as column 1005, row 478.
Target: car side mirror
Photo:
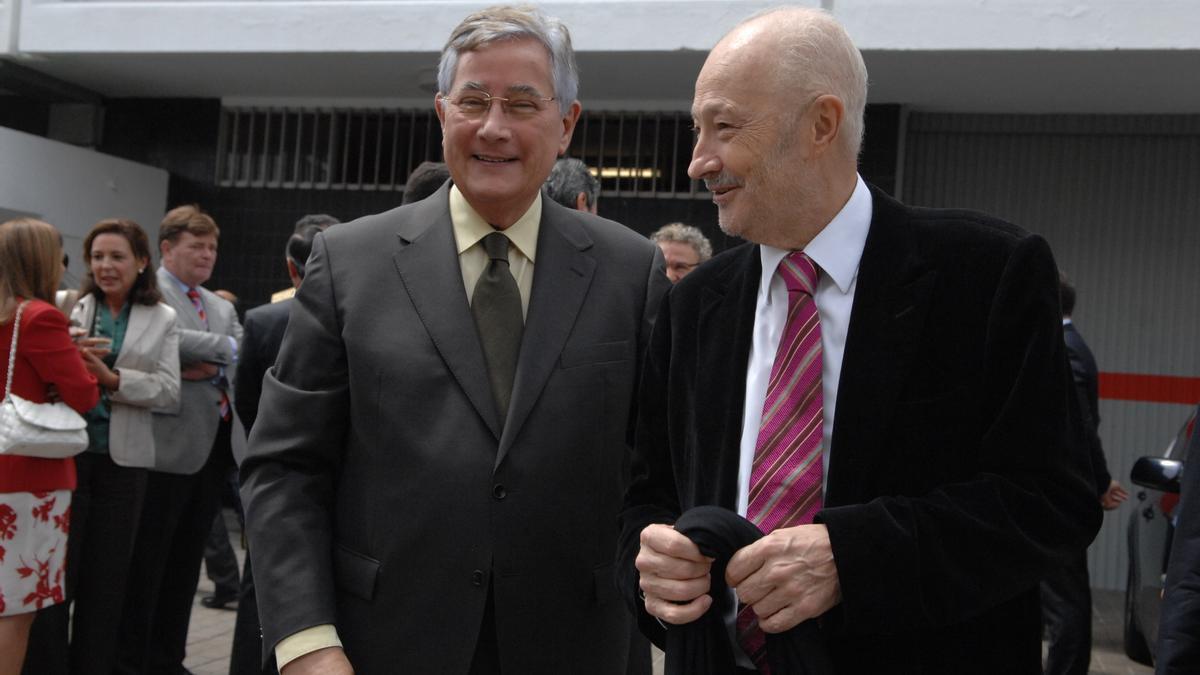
column 1157, row 473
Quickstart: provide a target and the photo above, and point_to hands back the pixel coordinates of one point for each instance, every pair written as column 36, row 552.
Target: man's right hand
column 675, row 576
column 328, row 661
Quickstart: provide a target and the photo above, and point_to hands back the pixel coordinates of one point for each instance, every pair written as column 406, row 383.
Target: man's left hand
column 788, row 576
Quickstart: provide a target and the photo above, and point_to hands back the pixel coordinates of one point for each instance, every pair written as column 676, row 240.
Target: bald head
column 778, row 112
column 810, row 54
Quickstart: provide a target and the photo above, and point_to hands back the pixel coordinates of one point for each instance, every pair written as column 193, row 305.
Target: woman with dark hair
column 130, row 344
column 35, row 494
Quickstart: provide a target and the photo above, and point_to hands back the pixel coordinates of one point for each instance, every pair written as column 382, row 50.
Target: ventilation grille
column 635, row 154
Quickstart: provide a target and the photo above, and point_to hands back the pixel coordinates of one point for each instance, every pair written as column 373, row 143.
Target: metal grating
column 635, row 154
column 639, row 154
column 324, row 149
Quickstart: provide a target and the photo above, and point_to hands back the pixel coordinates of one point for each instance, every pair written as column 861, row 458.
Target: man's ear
column 569, row 121
column 826, row 114
column 293, row 273
column 581, row 202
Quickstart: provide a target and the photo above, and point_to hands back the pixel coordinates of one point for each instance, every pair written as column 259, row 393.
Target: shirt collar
column 470, row 227
column 838, row 247
column 182, row 286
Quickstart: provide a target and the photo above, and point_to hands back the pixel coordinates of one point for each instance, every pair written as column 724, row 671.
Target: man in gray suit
column 441, row 448
column 182, row 490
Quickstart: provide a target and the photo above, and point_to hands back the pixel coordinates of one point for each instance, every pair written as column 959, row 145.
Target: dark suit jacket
column 262, row 337
column 1179, row 627
column 953, row 483
column 384, row 495
column 1087, row 385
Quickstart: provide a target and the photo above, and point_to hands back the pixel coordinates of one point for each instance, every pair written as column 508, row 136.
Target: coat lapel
column 726, row 322
column 562, row 274
column 427, row 261
column 139, row 321
column 184, row 309
column 890, row 303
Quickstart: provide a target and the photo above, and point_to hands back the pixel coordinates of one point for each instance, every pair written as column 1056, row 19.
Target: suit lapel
column 562, row 275
column 890, row 303
column 184, row 309
column 427, row 261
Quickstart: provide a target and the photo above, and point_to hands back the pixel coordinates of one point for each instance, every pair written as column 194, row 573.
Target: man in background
column 1066, row 591
column 265, row 327
column 424, row 181
column 571, row 184
column 183, row 488
column 684, row 247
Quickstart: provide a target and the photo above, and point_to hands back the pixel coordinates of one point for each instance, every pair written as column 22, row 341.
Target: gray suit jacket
column 183, row 439
column 383, row 493
column 149, row 365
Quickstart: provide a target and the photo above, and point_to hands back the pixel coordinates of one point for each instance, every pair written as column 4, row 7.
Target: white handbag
column 44, row 430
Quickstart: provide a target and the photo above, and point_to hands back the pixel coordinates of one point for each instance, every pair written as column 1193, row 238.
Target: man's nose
column 494, row 125
column 704, row 163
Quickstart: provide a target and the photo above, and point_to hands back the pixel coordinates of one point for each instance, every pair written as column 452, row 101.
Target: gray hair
column 818, row 57
column 685, row 234
column 568, row 178
column 505, row 22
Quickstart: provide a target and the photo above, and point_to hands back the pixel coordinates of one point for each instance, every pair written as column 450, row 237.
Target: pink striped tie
column 194, row 296
column 785, row 478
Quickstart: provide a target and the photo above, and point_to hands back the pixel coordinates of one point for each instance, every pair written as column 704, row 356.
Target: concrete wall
column 72, row 188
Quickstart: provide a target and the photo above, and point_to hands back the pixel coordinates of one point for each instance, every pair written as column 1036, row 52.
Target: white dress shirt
column 836, row 250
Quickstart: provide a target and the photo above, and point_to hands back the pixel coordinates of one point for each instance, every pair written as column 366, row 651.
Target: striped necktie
column 194, row 296
column 786, row 475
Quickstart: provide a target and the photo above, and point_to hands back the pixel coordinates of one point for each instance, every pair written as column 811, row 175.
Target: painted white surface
column 73, row 188
column 1002, row 56
column 173, row 26
column 7, row 26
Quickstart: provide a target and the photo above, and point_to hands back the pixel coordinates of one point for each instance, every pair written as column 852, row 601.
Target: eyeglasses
column 476, row 104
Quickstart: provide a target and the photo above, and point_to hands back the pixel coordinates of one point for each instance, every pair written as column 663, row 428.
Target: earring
column 141, row 269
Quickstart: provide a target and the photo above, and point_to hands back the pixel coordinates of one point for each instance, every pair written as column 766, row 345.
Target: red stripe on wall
column 1151, row 388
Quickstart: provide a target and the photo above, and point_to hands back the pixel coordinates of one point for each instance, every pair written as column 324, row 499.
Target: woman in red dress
column 35, row 494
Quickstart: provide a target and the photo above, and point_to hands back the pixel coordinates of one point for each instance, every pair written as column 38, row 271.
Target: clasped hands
column 788, row 576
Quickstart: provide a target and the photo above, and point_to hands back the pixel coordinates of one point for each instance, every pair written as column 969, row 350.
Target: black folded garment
column 702, row 647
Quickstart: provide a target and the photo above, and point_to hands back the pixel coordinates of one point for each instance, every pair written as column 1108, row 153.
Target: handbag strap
column 12, row 350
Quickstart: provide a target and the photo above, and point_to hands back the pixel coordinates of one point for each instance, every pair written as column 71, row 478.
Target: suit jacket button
column 477, row 577
column 499, row 492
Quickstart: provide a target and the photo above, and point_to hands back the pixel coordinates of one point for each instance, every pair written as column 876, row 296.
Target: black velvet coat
column 954, row 480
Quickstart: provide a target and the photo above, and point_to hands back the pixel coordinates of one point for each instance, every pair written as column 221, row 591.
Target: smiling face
column 500, row 160
column 114, row 266
column 749, row 149
column 190, row 258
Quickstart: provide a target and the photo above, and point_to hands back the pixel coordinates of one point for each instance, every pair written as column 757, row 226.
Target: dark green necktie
column 496, row 304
